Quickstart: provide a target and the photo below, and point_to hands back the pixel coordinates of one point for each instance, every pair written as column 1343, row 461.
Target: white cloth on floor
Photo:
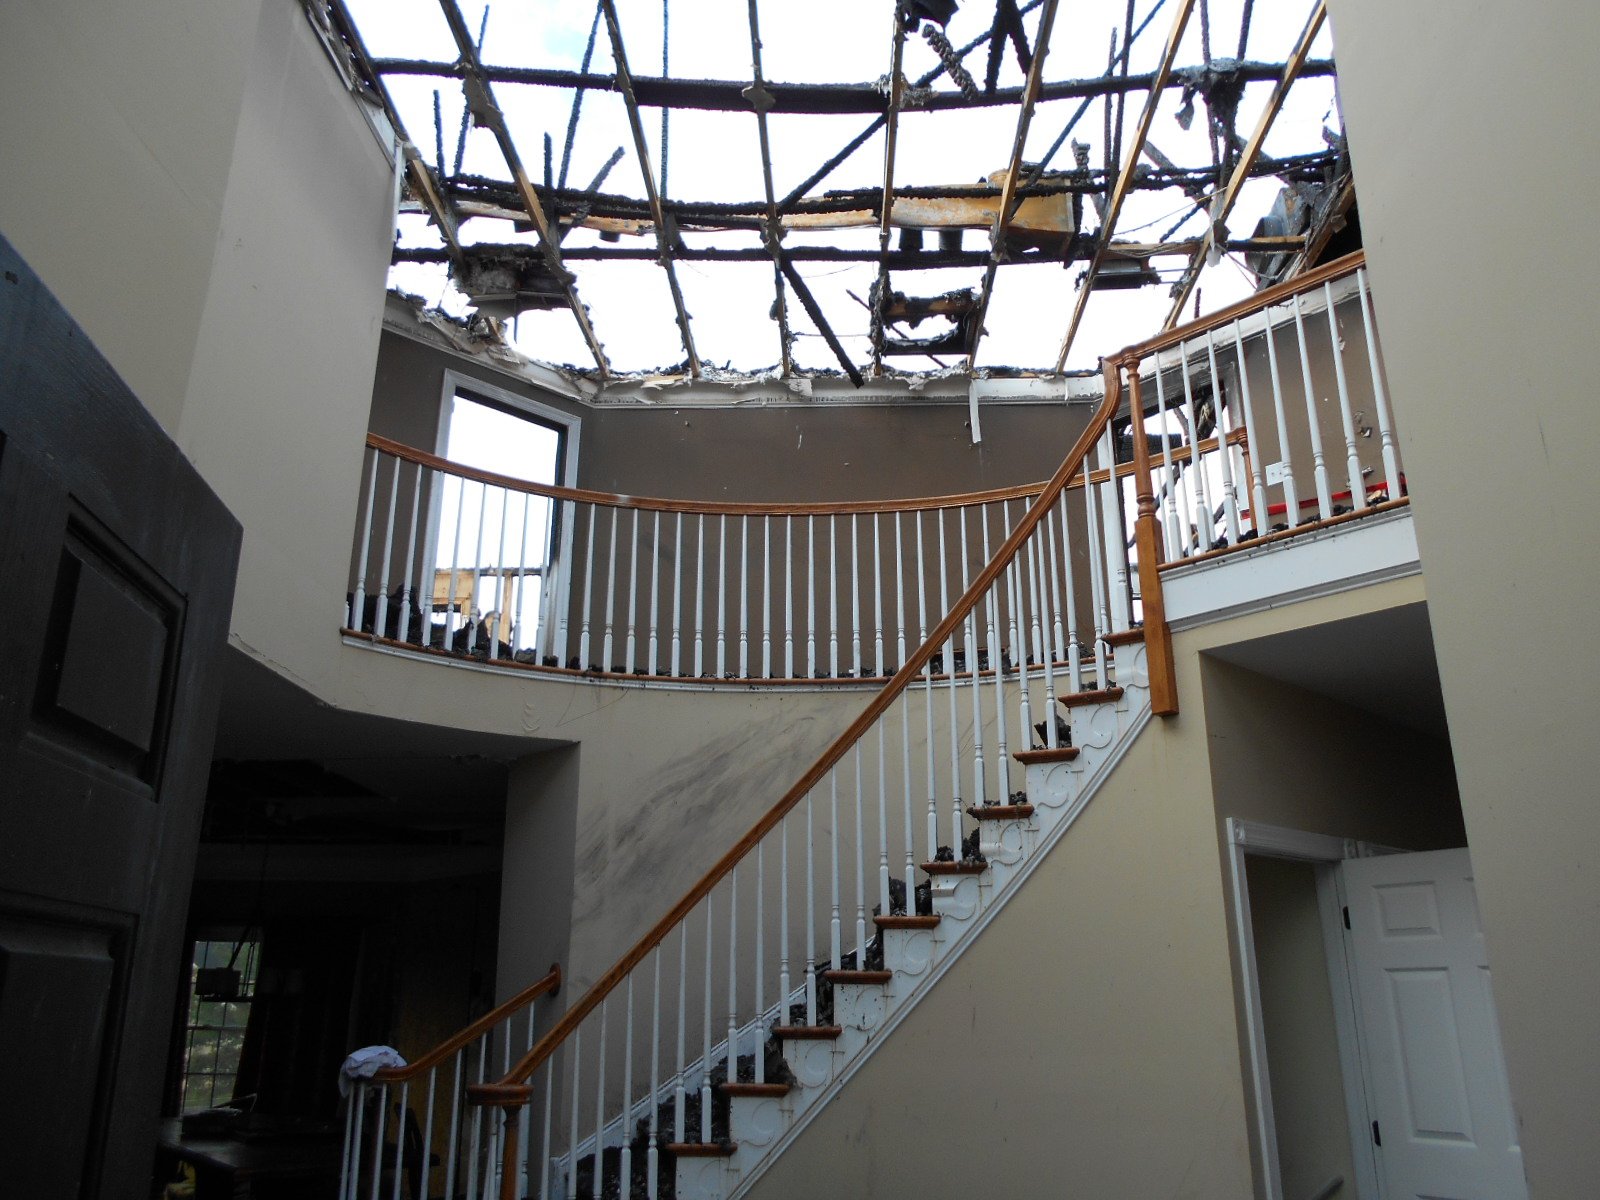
column 365, row 1063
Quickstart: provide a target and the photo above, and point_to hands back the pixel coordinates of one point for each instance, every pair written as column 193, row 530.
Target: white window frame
column 553, row 600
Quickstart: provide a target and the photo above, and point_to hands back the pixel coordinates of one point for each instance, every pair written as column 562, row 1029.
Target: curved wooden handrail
column 574, row 1016
column 549, row 985
column 710, row 507
column 1255, row 302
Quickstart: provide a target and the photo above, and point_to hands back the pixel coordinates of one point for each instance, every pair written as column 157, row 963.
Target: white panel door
column 1435, row 1072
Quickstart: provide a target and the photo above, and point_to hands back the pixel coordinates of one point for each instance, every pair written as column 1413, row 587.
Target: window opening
column 222, row 984
column 496, row 544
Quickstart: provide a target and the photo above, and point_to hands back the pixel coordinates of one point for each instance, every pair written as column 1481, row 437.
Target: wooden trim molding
column 1054, row 754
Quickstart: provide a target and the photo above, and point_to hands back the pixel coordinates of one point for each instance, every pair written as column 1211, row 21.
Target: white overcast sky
column 715, row 157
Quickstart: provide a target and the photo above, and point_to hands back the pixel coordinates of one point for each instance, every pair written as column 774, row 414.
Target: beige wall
column 1085, row 1044
column 117, row 142
column 1458, row 127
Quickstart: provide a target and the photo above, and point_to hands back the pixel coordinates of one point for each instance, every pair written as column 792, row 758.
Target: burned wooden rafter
column 809, row 303
column 728, row 95
column 899, row 260
column 886, row 208
column 958, row 307
column 772, row 230
column 665, row 236
column 1130, row 160
column 1008, row 190
column 422, row 182
column 480, row 99
column 1222, row 203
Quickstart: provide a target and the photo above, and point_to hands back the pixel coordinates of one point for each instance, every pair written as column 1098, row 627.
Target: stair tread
column 858, row 976
column 702, row 1149
column 955, row 868
column 754, row 1089
column 907, row 921
column 1049, row 755
column 796, row 1033
column 1126, row 638
column 1092, row 696
column 1000, row 812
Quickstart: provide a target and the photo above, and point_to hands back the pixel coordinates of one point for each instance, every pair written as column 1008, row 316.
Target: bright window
column 214, row 1033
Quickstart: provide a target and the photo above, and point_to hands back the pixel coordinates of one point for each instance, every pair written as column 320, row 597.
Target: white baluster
column 680, row 1093
column 699, row 601
column 516, row 630
column 1176, row 542
column 1202, row 516
column 1258, row 487
column 381, row 625
column 766, row 596
column 744, row 596
column 760, row 941
column 855, row 598
column 783, row 927
column 997, row 664
column 358, row 600
column 811, row 597
column 705, row 1052
column 1065, row 643
column 1230, row 494
column 877, row 596
column 732, row 1045
column 861, row 873
column 427, row 1118
column 1097, row 584
column 652, row 1154
column 1038, row 558
column 549, row 1109
column 350, row 1164
column 1319, row 463
column 899, row 596
column 477, row 1120
column 950, row 675
column 654, row 662
column 627, row 1095
column 788, row 597
column 600, row 1103
column 1290, row 497
column 572, row 1144
column 455, row 1124
column 1380, row 391
column 564, row 603
column 501, row 596
column 399, row 1141
column 411, row 555
column 607, row 660
column 722, row 596
column 455, row 568
column 677, row 598
column 584, row 661
column 811, row 914
column 833, row 596
column 1017, row 594
column 835, row 948
column 1115, row 535
column 477, row 570
column 629, row 644
column 1358, row 485
column 973, row 664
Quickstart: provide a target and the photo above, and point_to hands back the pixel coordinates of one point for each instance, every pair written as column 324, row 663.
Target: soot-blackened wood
column 118, row 564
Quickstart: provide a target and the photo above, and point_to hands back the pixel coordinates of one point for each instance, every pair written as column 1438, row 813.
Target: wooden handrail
column 1021, row 491
column 549, row 985
column 1255, row 302
column 574, row 1016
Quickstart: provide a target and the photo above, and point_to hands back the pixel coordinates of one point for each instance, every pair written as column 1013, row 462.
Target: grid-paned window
column 214, row 1035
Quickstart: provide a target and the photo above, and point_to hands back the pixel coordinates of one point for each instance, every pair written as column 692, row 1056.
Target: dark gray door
column 116, row 571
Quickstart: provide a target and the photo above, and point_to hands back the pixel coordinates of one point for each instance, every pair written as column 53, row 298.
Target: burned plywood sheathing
column 955, row 310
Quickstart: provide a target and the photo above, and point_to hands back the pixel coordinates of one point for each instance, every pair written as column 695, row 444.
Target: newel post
column 1148, row 544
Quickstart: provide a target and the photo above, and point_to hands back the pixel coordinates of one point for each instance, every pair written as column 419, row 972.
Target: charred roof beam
column 760, row 102
column 480, row 99
column 886, row 209
column 1130, row 161
column 665, row 235
column 1223, row 201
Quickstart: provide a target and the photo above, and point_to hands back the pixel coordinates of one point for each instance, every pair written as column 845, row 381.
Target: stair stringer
column 763, row 1127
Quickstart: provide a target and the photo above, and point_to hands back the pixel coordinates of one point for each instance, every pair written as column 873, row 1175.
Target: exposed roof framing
column 728, row 95
column 1222, row 203
column 1004, row 186
column 480, row 99
column 664, row 234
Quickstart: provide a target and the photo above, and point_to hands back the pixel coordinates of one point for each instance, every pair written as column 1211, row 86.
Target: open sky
column 715, row 157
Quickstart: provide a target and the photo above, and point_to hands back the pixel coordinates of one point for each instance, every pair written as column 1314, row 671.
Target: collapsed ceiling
column 713, row 197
